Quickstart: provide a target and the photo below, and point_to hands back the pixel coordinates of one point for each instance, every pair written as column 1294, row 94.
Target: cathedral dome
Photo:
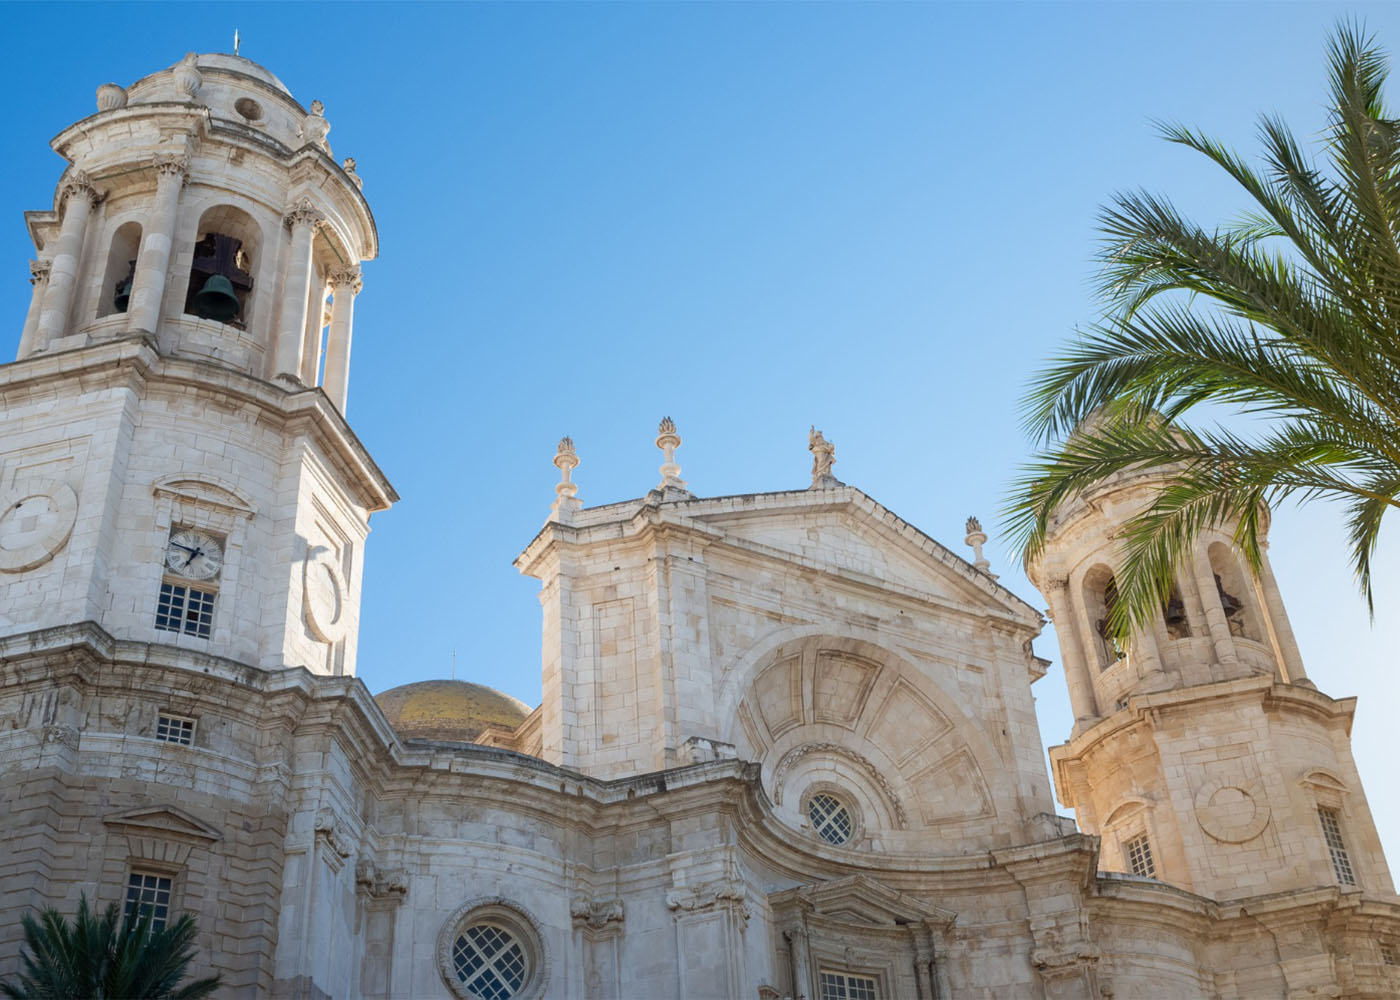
column 448, row 710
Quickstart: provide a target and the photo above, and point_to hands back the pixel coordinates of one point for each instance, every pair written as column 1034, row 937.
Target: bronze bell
column 216, row 300
column 1176, row 611
column 123, row 297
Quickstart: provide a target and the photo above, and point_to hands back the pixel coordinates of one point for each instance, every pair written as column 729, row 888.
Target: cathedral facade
column 787, row 745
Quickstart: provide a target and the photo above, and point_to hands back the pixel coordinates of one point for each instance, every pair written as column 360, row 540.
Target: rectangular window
column 1341, row 861
column 1138, row 853
column 185, row 609
column 844, row 986
column 174, row 729
column 148, row 893
column 1388, row 953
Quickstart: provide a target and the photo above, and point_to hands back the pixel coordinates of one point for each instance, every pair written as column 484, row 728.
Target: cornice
column 308, row 410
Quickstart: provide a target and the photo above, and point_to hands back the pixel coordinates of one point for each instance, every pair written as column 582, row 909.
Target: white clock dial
column 194, row 554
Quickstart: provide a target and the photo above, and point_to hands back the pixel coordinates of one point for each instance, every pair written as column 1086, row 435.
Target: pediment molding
column 169, row 822
column 862, row 903
column 205, row 491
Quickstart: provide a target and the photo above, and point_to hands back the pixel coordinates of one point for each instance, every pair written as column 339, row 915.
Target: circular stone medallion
column 36, row 519
column 325, row 593
column 1232, row 812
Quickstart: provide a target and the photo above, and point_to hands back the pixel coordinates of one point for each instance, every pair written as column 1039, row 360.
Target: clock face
column 194, row 554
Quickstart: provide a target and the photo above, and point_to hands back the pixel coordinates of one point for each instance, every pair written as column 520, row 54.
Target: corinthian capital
column 172, row 165
column 302, row 213
column 346, row 277
column 79, row 185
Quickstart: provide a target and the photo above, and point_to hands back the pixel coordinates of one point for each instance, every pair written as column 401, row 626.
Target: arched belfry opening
column 1174, row 615
column 221, row 271
column 1100, row 598
column 1232, row 590
column 120, row 272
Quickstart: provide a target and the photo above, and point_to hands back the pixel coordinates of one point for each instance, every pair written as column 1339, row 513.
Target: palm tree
column 94, row 959
column 1290, row 313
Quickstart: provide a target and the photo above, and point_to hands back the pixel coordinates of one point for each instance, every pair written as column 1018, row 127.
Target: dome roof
column 448, row 710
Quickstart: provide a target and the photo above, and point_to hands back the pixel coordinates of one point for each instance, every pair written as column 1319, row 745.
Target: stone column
column 302, row 219
column 801, row 962
column 153, row 259
column 1149, row 655
column 1215, row 614
column 79, row 196
column 1081, row 687
column 39, row 278
column 1276, row 618
column 345, row 285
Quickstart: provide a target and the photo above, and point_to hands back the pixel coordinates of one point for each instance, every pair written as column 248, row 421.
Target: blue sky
column 878, row 219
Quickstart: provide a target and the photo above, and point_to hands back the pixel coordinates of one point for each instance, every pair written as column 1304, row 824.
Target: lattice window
column 830, row 818
column 845, row 986
column 1332, row 831
column 148, row 893
column 1388, row 954
column 185, row 609
column 1138, row 853
column 490, row 962
column 175, row 729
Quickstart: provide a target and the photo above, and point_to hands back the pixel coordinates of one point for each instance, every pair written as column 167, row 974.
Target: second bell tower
column 1201, row 753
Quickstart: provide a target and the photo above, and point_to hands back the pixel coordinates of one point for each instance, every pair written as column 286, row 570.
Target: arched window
column 121, row 269
column 1232, row 589
column 1100, row 598
column 221, row 272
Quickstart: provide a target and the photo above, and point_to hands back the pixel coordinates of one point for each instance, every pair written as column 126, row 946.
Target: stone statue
column 823, row 457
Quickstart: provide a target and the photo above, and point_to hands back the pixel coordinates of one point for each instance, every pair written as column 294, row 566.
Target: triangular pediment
column 846, row 532
column 164, row 821
column 861, row 901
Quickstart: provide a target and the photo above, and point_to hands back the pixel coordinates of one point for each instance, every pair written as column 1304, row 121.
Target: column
column 39, row 278
column 1149, row 655
column 345, row 285
column 1081, row 688
column 1277, row 620
column 153, row 259
column 315, row 322
column 79, row 196
column 1215, row 614
column 291, row 338
column 801, row 961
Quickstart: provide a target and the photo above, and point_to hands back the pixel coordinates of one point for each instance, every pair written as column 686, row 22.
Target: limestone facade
column 787, row 745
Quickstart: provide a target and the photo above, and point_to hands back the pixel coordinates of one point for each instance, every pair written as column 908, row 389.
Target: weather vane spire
column 236, row 40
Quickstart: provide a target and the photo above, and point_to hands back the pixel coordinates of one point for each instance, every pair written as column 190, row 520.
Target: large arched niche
column 844, row 716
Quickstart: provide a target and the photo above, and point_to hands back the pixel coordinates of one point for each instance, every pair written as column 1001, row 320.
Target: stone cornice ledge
column 140, row 354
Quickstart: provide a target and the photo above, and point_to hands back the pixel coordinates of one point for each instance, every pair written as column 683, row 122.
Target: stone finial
column 188, row 79
column 111, row 97
column 823, row 458
column 976, row 538
column 668, row 441
column 315, row 128
column 566, row 500
column 349, row 167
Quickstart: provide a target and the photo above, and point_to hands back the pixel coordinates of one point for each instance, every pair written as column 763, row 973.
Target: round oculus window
column 490, row 962
column 830, row 818
column 248, row 108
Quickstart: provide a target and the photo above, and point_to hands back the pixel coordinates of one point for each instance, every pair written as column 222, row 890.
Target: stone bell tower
column 175, row 462
column 1201, row 753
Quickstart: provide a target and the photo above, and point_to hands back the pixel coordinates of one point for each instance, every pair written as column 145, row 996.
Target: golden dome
column 448, row 710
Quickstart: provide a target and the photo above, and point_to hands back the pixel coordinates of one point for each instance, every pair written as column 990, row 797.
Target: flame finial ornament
column 668, row 441
column 566, row 500
column 976, row 538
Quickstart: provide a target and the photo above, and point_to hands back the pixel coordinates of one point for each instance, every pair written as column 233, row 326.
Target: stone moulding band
column 794, row 755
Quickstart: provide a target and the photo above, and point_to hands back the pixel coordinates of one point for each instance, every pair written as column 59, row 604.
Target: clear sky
column 878, row 219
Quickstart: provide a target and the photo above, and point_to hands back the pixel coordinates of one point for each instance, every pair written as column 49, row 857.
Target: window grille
column 174, row 729
column 1138, row 853
column 147, row 893
column 830, row 819
column 845, row 986
column 1341, row 861
column 490, row 962
column 185, row 609
column 1388, row 955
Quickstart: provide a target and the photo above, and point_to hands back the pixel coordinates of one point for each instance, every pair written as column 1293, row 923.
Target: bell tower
column 1201, row 753
column 175, row 463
